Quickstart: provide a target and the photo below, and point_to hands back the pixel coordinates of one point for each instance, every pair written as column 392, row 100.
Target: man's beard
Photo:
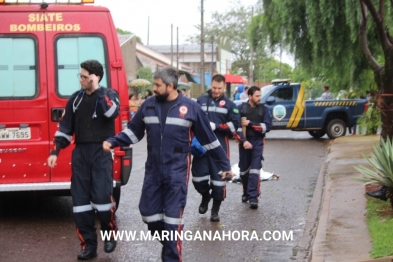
column 161, row 97
column 254, row 103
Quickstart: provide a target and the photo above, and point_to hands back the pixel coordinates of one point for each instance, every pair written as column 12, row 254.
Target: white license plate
column 15, row 133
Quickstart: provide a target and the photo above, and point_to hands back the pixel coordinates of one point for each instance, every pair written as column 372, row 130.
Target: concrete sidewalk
column 336, row 227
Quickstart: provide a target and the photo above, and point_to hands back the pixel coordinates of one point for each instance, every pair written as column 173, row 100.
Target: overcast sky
column 132, row 15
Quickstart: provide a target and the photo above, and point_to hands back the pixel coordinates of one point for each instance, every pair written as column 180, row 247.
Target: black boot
column 244, row 198
column 204, row 206
column 253, row 205
column 110, row 246
column 87, row 254
column 215, row 209
column 380, row 193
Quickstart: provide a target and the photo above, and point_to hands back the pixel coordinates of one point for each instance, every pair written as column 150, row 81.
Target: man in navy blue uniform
column 90, row 114
column 255, row 121
column 224, row 121
column 170, row 120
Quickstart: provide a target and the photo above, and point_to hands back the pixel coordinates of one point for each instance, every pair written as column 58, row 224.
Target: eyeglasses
column 82, row 77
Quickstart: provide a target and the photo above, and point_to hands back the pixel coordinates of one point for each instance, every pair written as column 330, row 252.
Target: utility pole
column 202, row 52
column 148, row 29
column 177, row 48
column 212, row 65
column 252, row 56
column 171, row 44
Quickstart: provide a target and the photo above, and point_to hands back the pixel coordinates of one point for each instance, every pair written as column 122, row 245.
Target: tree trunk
column 385, row 85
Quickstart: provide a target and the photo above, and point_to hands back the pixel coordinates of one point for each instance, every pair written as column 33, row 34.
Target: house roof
column 159, row 58
column 190, row 48
column 124, row 38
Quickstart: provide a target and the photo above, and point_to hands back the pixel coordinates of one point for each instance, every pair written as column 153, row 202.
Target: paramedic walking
column 170, row 121
column 224, row 121
column 255, row 122
column 90, row 114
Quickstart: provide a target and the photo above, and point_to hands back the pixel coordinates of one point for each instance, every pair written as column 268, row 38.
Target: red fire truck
column 42, row 44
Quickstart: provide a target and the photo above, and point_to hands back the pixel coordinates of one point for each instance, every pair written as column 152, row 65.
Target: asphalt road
column 41, row 228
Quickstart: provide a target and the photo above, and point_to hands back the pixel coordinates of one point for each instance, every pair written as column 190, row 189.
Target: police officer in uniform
column 170, row 120
column 90, row 114
column 255, row 121
column 224, row 121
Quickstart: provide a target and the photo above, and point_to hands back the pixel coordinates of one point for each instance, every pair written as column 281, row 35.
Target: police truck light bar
column 46, row 1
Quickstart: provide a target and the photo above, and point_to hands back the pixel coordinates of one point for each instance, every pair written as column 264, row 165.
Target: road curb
column 305, row 244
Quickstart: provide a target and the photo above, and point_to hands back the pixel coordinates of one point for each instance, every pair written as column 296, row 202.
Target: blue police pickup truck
column 290, row 110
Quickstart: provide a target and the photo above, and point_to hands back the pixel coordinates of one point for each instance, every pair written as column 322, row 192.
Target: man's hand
column 93, row 80
column 106, row 146
column 52, row 161
column 227, row 175
column 247, row 145
column 245, row 122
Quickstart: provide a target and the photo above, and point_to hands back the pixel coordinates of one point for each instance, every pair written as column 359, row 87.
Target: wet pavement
column 41, row 228
column 342, row 233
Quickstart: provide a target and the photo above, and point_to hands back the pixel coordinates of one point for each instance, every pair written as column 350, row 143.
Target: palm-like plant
column 381, row 172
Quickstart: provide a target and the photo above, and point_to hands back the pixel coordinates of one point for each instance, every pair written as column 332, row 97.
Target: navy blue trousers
column 163, row 199
column 91, row 189
column 250, row 164
column 206, row 174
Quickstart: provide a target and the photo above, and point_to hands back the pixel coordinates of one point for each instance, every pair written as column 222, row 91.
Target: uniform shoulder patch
column 236, row 111
column 117, row 100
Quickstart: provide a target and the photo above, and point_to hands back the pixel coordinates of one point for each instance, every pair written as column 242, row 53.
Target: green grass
column 380, row 224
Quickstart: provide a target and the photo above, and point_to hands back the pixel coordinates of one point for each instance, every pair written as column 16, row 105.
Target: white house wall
column 225, row 61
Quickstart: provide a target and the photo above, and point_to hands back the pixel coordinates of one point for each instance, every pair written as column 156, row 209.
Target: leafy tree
column 381, row 15
column 233, row 27
column 268, row 68
column 312, row 85
column 334, row 39
column 125, row 32
column 145, row 73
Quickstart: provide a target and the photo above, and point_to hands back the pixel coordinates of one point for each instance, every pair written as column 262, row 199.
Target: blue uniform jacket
column 169, row 151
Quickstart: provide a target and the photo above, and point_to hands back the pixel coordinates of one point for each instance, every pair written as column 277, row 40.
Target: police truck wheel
column 116, row 196
column 336, row 128
column 317, row 133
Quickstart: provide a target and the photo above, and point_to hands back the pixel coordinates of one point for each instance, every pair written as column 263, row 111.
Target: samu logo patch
column 183, row 110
